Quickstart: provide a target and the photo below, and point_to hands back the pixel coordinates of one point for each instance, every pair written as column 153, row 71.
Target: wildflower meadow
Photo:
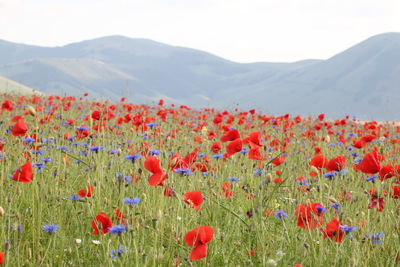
column 90, row 183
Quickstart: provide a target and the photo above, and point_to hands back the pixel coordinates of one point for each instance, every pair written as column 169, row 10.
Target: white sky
column 239, row 30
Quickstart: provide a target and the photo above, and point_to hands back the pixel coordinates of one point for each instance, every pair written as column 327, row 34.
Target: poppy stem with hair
column 76, row 158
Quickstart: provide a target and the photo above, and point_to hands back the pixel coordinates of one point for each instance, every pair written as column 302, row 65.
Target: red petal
column 199, row 252
column 152, row 164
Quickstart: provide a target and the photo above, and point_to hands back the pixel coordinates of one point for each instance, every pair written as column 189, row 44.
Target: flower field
column 87, row 183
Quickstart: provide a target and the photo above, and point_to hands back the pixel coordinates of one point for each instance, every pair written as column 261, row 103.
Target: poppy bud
column 268, row 177
column 333, row 200
column 328, row 139
column 31, row 110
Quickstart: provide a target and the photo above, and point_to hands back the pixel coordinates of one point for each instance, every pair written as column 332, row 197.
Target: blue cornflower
column 154, row 152
column 39, row 165
column 152, row 124
column 29, row 140
column 113, row 151
column 321, row 209
column 358, row 160
column 96, row 148
column 117, row 252
column 233, row 179
column 51, row 140
column 348, row 229
column 258, row 172
column 46, row 160
column 343, row 172
column 119, row 176
column 205, row 174
column 335, row 206
column 244, row 151
column 117, row 229
column 280, row 214
column 218, row 156
column 39, row 152
column 132, row 157
column 132, row 201
column 371, row 178
column 82, row 128
column 50, row 228
column 75, row 197
column 330, row 175
column 128, row 179
column 184, row 171
column 201, row 155
column 376, row 238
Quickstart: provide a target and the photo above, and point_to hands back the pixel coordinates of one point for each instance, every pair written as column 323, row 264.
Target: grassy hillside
column 10, row 86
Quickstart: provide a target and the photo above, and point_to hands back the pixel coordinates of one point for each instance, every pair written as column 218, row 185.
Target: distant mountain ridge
column 363, row 80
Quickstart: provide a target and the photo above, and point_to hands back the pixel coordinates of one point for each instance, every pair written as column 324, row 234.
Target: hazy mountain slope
column 362, row 80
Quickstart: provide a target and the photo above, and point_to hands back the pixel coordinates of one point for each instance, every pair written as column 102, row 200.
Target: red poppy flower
column 387, row 172
column 309, row 216
column 233, row 148
column 168, row 191
column 370, row 164
column 226, row 190
column 377, row 201
column 157, row 179
column 7, row 105
column 216, row 147
column 396, row 191
column 255, row 154
column 24, row 173
column 1, row 257
column 230, row 136
column 86, row 192
column 333, row 231
column 119, row 216
column 101, row 224
column 254, row 139
column 319, row 161
column 198, row 238
column 20, row 128
column 152, row 164
column 336, row 164
column 279, row 160
column 194, row 199
column 368, row 138
column 96, row 115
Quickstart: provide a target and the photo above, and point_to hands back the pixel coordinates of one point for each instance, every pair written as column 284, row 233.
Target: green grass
column 157, row 226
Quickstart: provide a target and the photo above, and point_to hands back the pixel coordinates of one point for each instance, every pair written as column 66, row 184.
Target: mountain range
column 363, row 80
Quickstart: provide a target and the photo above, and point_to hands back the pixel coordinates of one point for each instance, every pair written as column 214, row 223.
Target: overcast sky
column 239, row 30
